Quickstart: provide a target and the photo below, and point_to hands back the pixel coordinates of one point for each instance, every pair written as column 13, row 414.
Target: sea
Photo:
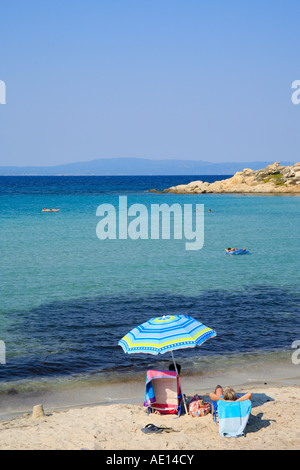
column 68, row 296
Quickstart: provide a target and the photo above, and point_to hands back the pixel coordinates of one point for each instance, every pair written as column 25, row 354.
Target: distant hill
column 136, row 166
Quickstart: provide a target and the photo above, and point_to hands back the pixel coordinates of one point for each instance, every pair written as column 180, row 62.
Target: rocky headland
column 272, row 179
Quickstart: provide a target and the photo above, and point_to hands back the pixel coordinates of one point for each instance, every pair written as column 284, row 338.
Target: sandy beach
column 274, row 424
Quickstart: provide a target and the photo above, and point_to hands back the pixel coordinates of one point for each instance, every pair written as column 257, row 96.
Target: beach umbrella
column 166, row 334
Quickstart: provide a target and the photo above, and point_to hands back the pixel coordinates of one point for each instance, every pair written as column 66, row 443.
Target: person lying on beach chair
column 233, row 411
column 228, row 395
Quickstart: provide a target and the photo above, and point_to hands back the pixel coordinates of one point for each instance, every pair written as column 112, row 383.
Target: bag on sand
column 198, row 406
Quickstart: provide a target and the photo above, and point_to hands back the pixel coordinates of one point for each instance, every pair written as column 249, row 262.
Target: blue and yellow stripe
column 167, row 333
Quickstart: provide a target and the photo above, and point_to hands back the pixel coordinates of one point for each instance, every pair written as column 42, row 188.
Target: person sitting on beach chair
column 233, row 411
column 228, row 395
column 172, row 367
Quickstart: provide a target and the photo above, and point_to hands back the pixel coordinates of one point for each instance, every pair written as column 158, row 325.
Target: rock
column 194, row 184
column 272, row 179
column 247, row 171
column 38, row 412
column 272, row 168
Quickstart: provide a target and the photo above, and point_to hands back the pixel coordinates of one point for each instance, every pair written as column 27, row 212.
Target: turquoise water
column 67, row 297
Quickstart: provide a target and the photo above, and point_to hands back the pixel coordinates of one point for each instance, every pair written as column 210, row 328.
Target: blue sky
column 186, row 79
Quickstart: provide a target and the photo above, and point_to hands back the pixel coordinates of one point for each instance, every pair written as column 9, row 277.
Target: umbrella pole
column 183, row 397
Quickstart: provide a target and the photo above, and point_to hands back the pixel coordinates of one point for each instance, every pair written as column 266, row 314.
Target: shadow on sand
column 256, row 422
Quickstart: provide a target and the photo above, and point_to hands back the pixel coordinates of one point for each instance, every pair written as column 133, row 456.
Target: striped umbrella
column 167, row 333
column 162, row 334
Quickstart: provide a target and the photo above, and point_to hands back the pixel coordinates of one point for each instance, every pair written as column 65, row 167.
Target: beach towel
column 214, row 407
column 233, row 417
column 149, row 394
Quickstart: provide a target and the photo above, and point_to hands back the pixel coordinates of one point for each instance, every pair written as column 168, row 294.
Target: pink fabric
column 160, row 374
column 162, row 396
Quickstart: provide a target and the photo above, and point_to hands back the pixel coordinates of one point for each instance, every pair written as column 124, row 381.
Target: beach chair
column 214, row 411
column 162, row 392
column 233, row 417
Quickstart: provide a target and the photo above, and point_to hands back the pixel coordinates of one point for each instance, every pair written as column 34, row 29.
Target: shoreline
column 88, row 415
column 274, row 424
column 58, row 393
